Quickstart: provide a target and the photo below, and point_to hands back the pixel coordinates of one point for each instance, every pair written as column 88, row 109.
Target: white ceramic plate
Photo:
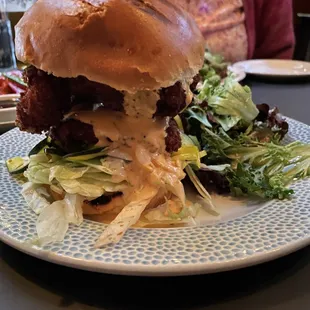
column 274, row 67
column 247, row 233
column 237, row 72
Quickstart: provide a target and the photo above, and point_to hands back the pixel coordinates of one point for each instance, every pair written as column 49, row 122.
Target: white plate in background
column 274, row 67
column 237, row 72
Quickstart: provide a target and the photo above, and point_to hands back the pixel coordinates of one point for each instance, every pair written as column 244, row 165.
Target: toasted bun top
column 127, row 44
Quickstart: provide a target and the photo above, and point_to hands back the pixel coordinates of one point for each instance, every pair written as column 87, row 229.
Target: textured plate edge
column 157, row 271
column 160, row 271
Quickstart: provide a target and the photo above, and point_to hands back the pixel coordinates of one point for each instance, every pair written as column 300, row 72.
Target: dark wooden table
column 27, row 283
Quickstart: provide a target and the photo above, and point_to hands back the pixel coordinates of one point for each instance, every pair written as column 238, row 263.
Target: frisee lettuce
column 242, row 141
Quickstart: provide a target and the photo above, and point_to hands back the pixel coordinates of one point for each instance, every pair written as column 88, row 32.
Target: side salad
column 245, row 154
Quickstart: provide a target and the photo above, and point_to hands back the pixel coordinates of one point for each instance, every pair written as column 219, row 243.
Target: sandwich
column 106, row 80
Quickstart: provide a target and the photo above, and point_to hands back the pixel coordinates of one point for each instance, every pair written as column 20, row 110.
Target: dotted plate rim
column 193, row 250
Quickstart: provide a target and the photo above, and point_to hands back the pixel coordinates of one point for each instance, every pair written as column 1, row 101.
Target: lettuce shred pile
column 58, row 184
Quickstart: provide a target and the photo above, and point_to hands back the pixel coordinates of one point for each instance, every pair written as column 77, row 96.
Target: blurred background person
column 245, row 29
column 236, row 29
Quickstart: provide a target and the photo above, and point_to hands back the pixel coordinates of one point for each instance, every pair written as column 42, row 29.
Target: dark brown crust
column 84, row 91
column 73, row 135
column 172, row 101
column 197, row 78
column 89, row 209
column 48, row 98
column 44, row 102
column 173, row 138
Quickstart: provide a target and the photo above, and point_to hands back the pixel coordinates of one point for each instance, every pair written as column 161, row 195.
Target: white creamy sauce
column 136, row 127
column 141, row 104
column 118, row 130
column 137, row 136
column 127, row 132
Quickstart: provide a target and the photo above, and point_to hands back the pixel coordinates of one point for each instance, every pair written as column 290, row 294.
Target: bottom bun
column 90, row 209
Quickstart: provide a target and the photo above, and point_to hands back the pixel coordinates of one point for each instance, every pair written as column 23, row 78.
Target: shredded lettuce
column 34, row 197
column 190, row 152
column 52, row 224
column 53, row 221
column 64, row 172
column 167, row 174
column 77, row 180
column 201, row 190
column 109, row 165
column 53, row 217
column 89, row 179
column 82, row 188
column 170, row 181
column 129, row 215
column 38, row 174
column 73, row 209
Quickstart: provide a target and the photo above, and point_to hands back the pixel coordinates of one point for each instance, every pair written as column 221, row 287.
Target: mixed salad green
column 245, row 154
column 215, row 67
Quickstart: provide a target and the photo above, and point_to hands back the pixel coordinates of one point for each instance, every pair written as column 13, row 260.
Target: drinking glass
column 7, row 51
column 302, row 48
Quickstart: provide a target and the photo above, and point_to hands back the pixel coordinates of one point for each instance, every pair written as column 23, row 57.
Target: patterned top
column 222, row 23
